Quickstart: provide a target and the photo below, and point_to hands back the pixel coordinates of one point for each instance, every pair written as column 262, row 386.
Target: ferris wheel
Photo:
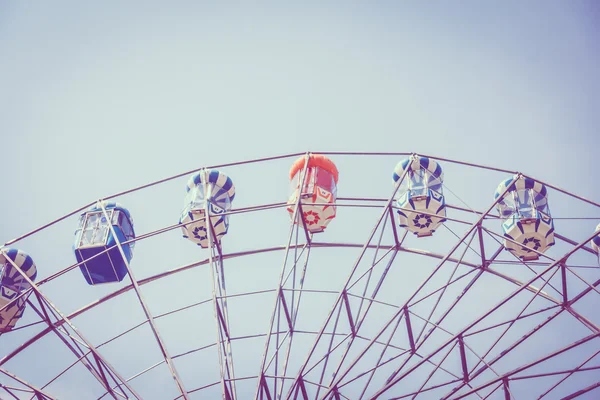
column 375, row 276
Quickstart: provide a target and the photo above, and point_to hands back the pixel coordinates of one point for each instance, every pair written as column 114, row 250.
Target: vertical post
column 463, row 358
column 563, row 275
column 506, row 389
column 219, row 297
column 306, row 366
column 282, row 311
column 411, row 338
column 145, row 308
column 484, row 262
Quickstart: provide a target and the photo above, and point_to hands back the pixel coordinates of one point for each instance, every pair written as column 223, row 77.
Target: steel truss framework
column 411, row 353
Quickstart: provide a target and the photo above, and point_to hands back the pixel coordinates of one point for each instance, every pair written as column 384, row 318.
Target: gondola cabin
column 12, row 284
column 94, row 236
column 420, row 198
column 209, row 192
column 317, row 191
column 526, row 220
column 595, row 243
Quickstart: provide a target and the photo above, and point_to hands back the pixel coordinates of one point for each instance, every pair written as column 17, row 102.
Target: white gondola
column 12, row 284
column 207, row 190
column 422, row 208
column 527, row 223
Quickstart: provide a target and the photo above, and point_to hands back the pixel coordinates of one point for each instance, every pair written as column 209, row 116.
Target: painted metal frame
column 273, row 380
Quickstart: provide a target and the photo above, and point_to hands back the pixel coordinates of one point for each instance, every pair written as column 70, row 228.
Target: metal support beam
column 505, row 389
column 67, row 321
column 505, row 377
column 463, row 359
column 397, row 377
column 278, row 342
column 306, row 365
column 150, row 318
column 400, row 312
column 563, row 276
column 73, row 345
column 219, row 297
column 39, row 393
column 411, row 339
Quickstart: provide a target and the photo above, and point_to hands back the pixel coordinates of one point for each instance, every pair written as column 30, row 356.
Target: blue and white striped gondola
column 526, row 217
column 93, row 236
column 420, row 196
column 12, row 284
column 595, row 243
column 218, row 189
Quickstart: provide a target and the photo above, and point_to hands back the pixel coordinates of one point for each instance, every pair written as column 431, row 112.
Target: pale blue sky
column 99, row 97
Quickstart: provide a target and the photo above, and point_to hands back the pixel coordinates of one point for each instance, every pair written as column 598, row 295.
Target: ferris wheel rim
column 316, row 245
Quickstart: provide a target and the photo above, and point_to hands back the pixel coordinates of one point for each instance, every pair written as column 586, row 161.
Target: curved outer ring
column 114, row 294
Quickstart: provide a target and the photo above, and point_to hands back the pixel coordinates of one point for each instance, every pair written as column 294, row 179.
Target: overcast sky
column 99, row 97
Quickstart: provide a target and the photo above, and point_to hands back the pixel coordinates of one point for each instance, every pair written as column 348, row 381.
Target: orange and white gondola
column 317, row 195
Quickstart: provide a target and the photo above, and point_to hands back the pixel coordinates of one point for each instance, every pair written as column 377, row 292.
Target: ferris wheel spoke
column 398, row 375
column 339, row 378
column 74, row 345
column 287, row 306
column 419, row 342
column 425, row 390
column 525, row 264
column 360, row 318
column 472, row 326
column 582, row 391
column 509, row 325
column 44, row 299
column 31, row 389
column 385, row 348
column 563, row 291
column 219, row 296
column 353, row 314
column 580, row 368
column 445, row 287
column 473, row 373
column 301, row 390
column 436, row 365
column 460, row 344
column 279, row 340
column 507, row 376
column 145, row 308
column 469, row 376
column 590, row 286
column 339, row 304
column 274, row 360
column 295, row 307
